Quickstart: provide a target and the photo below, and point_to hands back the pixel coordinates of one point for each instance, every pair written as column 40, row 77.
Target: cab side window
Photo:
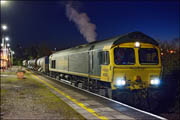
column 104, row 58
column 53, row 64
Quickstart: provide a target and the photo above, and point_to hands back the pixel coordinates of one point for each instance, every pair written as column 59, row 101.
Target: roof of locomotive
column 130, row 37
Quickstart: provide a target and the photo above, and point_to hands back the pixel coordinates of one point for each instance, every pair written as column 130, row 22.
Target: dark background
column 31, row 22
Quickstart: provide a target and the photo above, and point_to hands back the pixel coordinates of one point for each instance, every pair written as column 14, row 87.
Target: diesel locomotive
column 127, row 62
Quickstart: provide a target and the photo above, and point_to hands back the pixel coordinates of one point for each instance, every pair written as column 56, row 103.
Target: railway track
column 122, row 108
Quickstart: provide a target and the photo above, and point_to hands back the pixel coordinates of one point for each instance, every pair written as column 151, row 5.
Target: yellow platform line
column 70, row 98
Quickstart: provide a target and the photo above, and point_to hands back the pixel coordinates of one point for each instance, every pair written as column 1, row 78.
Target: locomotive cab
column 135, row 65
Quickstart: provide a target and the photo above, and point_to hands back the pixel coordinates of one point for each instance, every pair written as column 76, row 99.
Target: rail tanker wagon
column 43, row 64
column 25, row 63
column 131, row 61
column 32, row 64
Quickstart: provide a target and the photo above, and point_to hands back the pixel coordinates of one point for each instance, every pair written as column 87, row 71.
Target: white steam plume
column 82, row 21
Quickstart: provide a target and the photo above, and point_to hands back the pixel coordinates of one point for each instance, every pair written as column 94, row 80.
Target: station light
column 3, row 2
column 137, row 44
column 2, row 44
column 8, row 44
column 171, row 51
column 7, row 38
column 4, row 27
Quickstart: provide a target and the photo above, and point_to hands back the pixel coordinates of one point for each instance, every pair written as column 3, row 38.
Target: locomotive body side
column 83, row 63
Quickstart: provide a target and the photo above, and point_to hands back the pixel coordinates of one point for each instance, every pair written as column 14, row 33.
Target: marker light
column 137, row 44
column 155, row 81
column 120, row 82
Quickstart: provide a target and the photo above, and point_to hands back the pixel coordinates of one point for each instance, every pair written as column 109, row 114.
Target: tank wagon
column 43, row 64
column 25, row 63
column 128, row 62
column 32, row 64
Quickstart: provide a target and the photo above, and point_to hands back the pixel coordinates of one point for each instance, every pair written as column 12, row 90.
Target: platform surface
column 94, row 106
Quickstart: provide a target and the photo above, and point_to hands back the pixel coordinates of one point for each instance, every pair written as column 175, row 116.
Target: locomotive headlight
column 155, row 81
column 120, row 82
column 137, row 44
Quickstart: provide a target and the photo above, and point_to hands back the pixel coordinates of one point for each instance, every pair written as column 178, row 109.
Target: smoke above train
column 82, row 21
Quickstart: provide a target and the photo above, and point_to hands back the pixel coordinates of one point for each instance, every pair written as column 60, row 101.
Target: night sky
column 31, row 23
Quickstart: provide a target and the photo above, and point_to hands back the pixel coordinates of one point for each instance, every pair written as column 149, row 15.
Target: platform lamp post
column 8, row 55
column 4, row 54
column 3, row 47
column 4, row 28
column 12, row 53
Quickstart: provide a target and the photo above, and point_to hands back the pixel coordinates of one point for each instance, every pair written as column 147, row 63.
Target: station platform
column 84, row 104
column 93, row 106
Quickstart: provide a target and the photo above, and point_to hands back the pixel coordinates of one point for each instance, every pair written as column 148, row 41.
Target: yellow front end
column 138, row 71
